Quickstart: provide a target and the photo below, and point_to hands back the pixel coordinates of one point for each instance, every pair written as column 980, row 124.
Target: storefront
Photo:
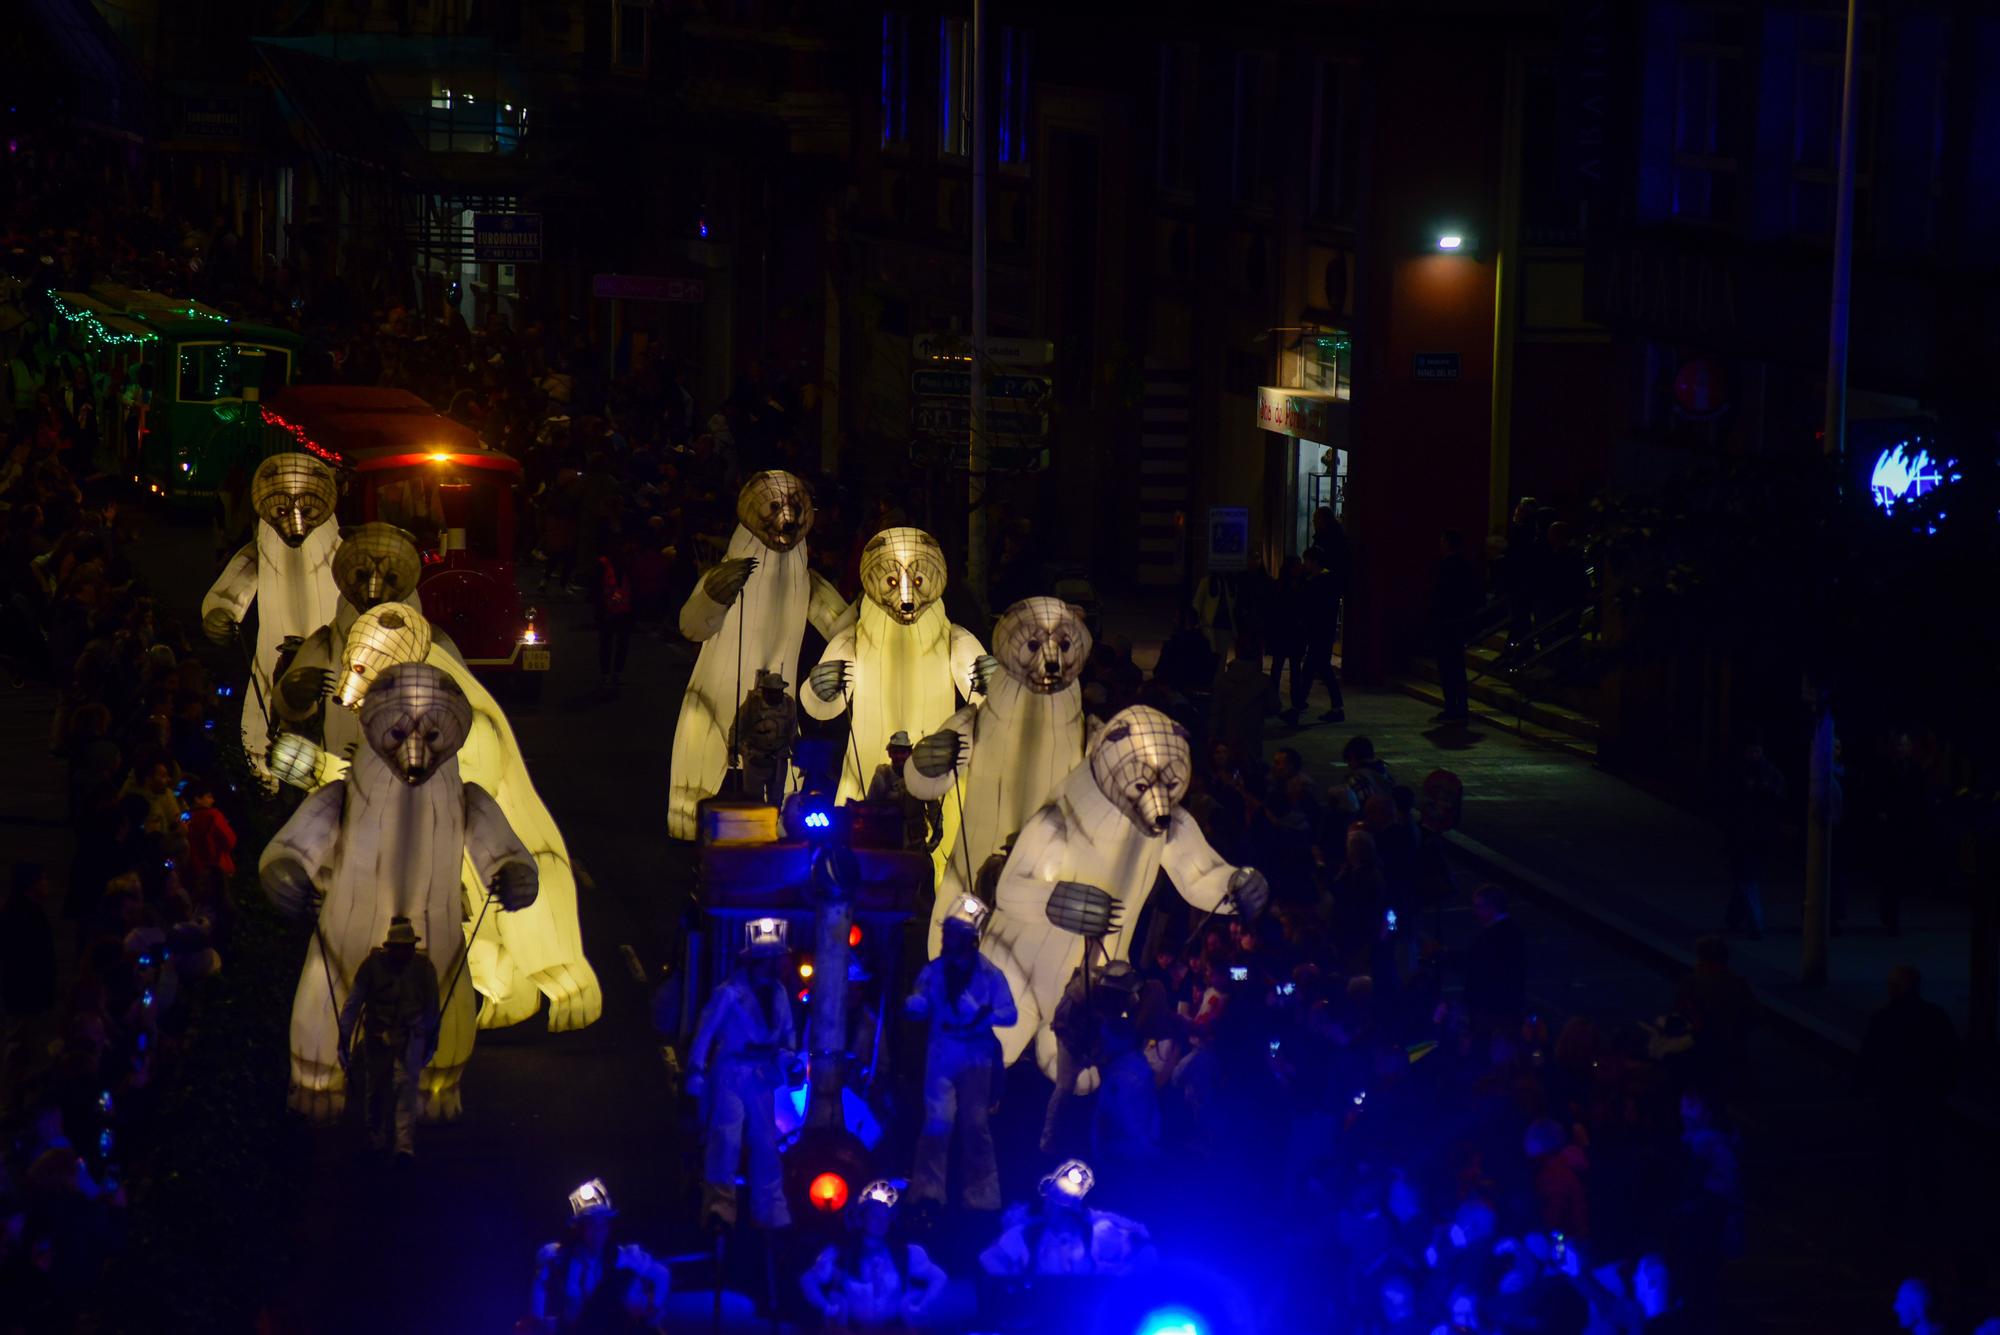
column 1313, row 424
column 1308, row 410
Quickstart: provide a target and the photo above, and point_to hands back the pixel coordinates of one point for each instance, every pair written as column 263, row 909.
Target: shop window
column 895, row 79
column 1707, row 122
column 1177, row 129
column 1253, row 151
column 632, row 36
column 1336, row 140
column 954, row 88
column 1013, row 97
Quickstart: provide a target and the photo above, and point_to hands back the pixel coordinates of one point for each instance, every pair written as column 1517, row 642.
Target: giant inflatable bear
column 1114, row 824
column 749, row 613
column 287, row 570
column 902, row 666
column 1011, row 750
column 527, row 955
column 388, row 841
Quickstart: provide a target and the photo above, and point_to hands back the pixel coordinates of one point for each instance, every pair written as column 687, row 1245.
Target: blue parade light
column 819, row 820
column 1172, row 1321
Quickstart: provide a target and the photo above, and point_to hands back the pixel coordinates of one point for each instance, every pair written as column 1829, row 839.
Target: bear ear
column 1082, row 618
column 1118, row 734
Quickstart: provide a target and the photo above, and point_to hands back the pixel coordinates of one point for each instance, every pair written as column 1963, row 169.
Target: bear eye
column 397, row 735
column 1141, row 786
column 432, row 736
column 1034, row 646
column 1063, row 645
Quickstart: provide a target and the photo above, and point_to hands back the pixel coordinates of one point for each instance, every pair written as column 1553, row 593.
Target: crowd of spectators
column 1446, row 1157
column 97, row 959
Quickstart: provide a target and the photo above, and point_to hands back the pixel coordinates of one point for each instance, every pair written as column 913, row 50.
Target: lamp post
column 1819, row 834
column 976, row 454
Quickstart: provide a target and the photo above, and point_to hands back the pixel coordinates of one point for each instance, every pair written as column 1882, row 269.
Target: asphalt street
column 448, row 1245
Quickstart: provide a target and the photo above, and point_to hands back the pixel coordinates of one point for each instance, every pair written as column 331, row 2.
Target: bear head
column 903, row 572
column 415, row 717
column 376, row 563
column 1141, row 763
column 293, row 493
column 1042, row 643
column 777, row 507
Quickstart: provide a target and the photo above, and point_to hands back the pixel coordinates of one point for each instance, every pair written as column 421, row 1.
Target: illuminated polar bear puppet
column 286, row 570
column 1011, row 750
column 758, row 599
column 388, row 841
column 1114, row 824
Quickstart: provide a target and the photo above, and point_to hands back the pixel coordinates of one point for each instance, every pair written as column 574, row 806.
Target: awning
column 335, row 110
column 1308, row 414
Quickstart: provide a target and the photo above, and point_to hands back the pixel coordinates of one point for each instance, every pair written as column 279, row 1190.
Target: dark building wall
column 1420, row 448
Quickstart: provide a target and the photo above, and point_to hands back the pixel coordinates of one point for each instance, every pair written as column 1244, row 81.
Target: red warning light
column 827, row 1192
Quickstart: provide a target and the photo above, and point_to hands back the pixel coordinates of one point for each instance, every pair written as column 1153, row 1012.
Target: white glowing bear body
column 378, row 848
column 905, row 678
column 1085, row 835
column 295, row 594
column 523, row 956
column 769, row 617
column 1018, row 743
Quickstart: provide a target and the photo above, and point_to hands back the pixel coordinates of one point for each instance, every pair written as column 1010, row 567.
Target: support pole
column 975, row 471
column 1819, row 834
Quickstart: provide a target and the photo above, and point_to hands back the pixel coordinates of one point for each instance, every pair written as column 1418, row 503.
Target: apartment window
column 1254, row 153
column 895, row 79
column 441, row 97
column 955, row 88
column 1177, row 115
column 1707, row 103
column 1013, row 97
column 632, row 35
column 1336, row 142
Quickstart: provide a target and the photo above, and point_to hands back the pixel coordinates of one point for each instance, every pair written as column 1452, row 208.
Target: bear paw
column 319, row 1105
column 518, row 1003
column 575, row 999
column 440, row 1100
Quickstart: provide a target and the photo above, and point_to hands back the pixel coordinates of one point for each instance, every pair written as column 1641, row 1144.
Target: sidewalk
column 1637, row 865
column 1634, row 864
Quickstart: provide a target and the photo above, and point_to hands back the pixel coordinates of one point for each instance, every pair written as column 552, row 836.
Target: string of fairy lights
column 95, row 328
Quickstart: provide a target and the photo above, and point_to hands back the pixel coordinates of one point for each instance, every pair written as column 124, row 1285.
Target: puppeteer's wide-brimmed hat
column 900, row 740
column 400, row 933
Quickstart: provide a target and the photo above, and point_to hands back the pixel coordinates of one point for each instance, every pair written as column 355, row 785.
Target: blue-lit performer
column 585, row 1275
column 746, row 1035
column 1067, row 1237
column 965, row 998
column 868, row 1283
